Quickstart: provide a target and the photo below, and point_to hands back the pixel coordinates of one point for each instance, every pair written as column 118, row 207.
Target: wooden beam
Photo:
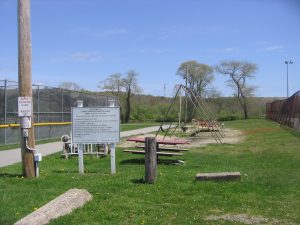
column 224, row 176
column 62, row 205
column 167, row 149
column 157, row 153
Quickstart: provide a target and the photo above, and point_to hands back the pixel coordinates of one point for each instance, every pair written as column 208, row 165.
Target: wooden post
column 150, row 160
column 25, row 86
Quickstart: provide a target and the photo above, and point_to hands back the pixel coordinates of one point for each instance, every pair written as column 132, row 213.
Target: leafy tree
column 199, row 76
column 239, row 72
column 131, row 87
column 70, row 86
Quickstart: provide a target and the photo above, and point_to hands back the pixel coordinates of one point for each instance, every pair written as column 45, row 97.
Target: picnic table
column 160, row 150
column 159, row 141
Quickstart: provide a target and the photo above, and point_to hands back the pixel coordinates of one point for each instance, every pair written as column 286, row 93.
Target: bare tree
column 70, row 86
column 131, row 87
column 114, row 84
column 239, row 72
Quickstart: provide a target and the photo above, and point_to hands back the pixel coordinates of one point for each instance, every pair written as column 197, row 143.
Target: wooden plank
column 159, row 141
column 62, row 205
column 167, row 149
column 224, row 176
column 135, row 152
column 158, row 153
column 174, row 149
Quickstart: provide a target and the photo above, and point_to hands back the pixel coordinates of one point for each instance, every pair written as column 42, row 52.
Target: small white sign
column 25, row 122
column 95, row 125
column 24, row 106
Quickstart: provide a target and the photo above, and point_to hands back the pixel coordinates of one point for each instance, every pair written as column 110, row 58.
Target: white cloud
column 228, row 50
column 86, row 57
column 155, row 51
column 97, row 33
column 77, row 57
column 224, row 50
column 274, row 48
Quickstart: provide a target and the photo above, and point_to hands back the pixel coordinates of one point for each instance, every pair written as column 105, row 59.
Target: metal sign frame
column 95, row 125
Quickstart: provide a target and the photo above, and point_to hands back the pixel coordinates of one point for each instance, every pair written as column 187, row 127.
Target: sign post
column 97, row 126
column 80, row 146
column 112, row 148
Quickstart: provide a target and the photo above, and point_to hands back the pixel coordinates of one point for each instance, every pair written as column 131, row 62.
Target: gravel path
column 13, row 156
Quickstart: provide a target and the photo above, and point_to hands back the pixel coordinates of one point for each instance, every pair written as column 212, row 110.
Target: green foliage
column 143, row 113
column 228, row 118
column 268, row 159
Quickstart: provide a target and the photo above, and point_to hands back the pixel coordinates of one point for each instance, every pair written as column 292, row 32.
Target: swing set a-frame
column 208, row 119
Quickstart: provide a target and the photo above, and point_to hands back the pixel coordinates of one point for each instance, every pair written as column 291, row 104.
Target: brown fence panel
column 285, row 112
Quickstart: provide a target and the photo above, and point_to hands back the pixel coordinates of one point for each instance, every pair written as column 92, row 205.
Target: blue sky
column 84, row 41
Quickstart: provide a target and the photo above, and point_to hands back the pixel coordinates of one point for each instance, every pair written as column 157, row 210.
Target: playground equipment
column 207, row 121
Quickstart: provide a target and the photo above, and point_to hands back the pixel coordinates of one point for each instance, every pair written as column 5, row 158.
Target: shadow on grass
column 72, row 171
column 141, row 161
column 138, row 181
column 9, row 175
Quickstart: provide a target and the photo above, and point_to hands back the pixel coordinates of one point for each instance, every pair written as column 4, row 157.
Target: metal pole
column 62, row 110
column 287, row 80
column 38, row 111
column 179, row 117
column 287, row 76
column 186, row 81
column 62, row 105
column 5, row 108
column 112, row 148
column 80, row 147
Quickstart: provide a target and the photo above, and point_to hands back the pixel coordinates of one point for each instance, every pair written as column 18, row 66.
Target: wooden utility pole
column 25, row 86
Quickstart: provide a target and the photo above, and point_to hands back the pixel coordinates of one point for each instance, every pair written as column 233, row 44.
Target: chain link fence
column 285, row 112
column 51, row 107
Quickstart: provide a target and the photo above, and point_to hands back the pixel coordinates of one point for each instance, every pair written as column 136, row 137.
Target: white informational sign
column 95, row 125
column 24, row 106
column 25, row 122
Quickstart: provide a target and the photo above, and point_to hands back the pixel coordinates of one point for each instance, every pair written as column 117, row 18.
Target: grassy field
column 269, row 160
column 134, row 126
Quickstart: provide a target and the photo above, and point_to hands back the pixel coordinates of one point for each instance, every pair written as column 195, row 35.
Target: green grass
column 269, row 161
column 134, row 126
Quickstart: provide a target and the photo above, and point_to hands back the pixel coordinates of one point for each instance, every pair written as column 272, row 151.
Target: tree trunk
column 127, row 114
column 244, row 106
column 245, row 112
